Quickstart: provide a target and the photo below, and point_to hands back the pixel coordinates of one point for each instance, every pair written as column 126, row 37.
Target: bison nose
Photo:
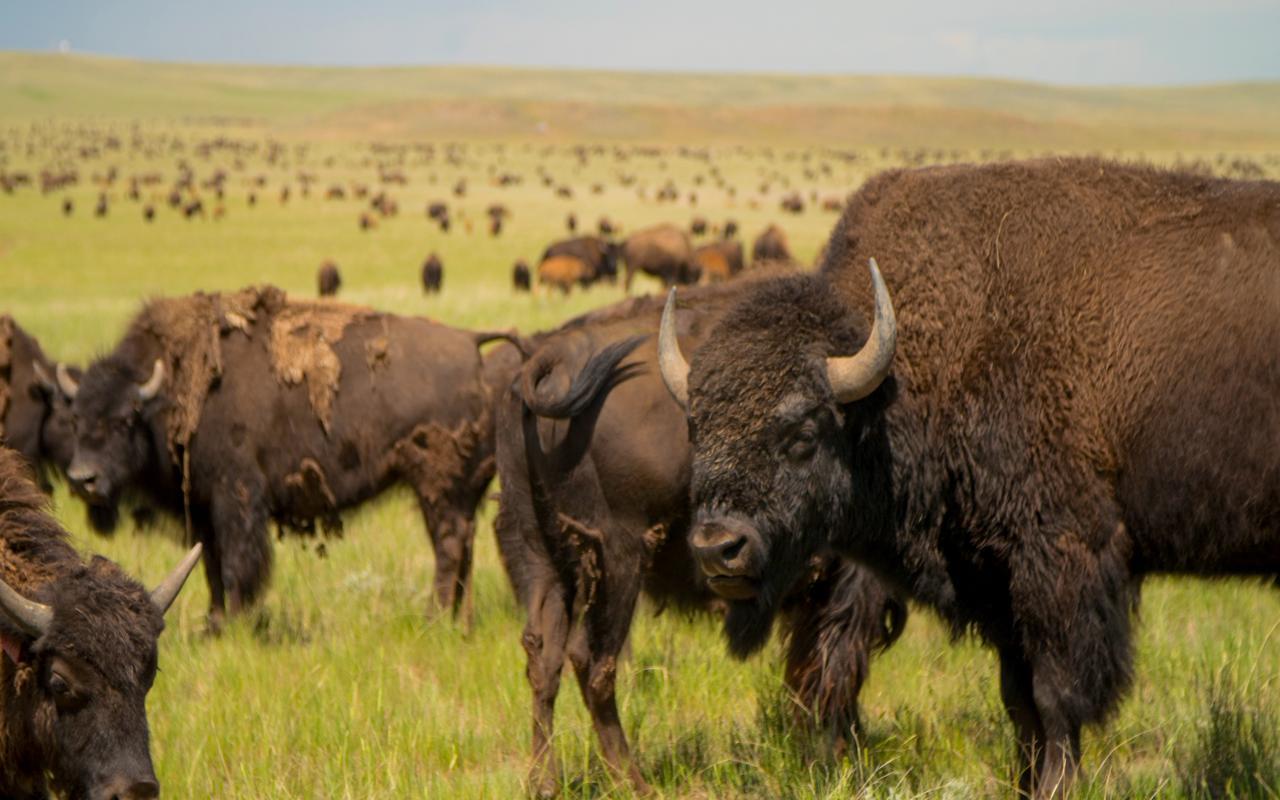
column 129, row 789
column 728, row 552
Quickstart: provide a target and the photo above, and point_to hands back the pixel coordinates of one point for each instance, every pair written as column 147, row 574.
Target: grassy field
column 338, row 686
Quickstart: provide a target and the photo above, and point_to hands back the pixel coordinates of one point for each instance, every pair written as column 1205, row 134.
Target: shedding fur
column 302, row 340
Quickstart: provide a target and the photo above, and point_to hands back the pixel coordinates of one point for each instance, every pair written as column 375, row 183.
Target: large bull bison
column 35, row 418
column 593, row 462
column 79, row 642
column 599, row 255
column 237, row 409
column 1081, row 389
column 662, row 251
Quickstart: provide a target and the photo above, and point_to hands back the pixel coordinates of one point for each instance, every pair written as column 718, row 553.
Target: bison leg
column 212, row 559
column 453, row 538
column 594, row 652
column 1048, row 741
column 544, row 640
column 240, row 524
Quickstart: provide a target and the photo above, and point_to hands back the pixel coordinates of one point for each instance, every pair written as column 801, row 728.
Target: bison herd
column 1061, row 377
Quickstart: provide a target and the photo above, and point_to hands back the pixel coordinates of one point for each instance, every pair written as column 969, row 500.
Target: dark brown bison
column 35, row 418
column 79, row 642
column 599, row 255
column 67, row 207
column 1055, row 414
column 328, row 279
column 662, row 251
column 148, row 212
column 698, row 226
column 770, row 245
column 594, row 468
column 607, row 227
column 521, row 278
column 730, row 228
column 571, row 223
column 239, row 409
column 432, row 274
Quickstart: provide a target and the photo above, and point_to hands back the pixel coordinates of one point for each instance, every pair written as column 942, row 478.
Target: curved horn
column 43, row 378
column 854, row 377
column 66, row 384
column 675, row 370
column 148, row 390
column 163, row 595
column 32, row 618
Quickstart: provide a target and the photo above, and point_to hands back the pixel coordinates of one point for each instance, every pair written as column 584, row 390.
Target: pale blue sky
column 1081, row 42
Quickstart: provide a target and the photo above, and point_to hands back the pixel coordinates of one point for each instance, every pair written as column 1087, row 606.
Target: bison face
column 85, row 662
column 57, row 432
column 773, row 420
column 113, row 443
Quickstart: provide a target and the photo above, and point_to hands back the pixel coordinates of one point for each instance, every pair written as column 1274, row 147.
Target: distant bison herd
column 1062, row 376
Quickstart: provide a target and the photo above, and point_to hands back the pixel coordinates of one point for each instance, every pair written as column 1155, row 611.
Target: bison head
column 774, row 420
column 113, row 442
column 57, row 433
column 83, row 661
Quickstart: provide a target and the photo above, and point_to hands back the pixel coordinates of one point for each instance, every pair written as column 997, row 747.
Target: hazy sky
column 1083, row 41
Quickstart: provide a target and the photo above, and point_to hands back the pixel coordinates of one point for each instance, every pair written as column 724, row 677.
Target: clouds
column 1084, row 42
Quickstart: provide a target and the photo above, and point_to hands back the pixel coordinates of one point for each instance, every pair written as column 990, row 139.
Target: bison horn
column 854, row 377
column 42, row 377
column 675, row 370
column 148, row 390
column 163, row 595
column 66, row 383
column 32, row 618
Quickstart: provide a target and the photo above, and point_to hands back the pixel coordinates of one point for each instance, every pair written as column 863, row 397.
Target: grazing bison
column 698, row 226
column 599, row 256
column 328, row 279
column 79, row 642
column 35, row 418
column 563, row 272
column 521, row 278
column 432, row 274
column 717, row 261
column 770, row 245
column 594, row 471
column 1055, row 414
column 662, row 251
column 238, row 409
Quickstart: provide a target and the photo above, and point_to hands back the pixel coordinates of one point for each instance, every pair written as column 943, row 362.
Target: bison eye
column 803, row 442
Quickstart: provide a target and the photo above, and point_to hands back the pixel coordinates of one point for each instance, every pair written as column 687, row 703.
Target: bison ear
column 13, row 647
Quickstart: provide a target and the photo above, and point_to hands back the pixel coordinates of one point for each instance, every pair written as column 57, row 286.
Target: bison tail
column 599, row 374
column 523, row 345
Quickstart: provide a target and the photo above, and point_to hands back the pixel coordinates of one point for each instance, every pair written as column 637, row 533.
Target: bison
column 770, row 245
column 521, row 278
column 1055, row 415
column 328, row 279
column 717, row 261
column 79, row 642
column 662, row 251
column 593, row 463
column 432, row 274
column 233, row 410
column 599, row 255
column 563, row 272
column 35, row 418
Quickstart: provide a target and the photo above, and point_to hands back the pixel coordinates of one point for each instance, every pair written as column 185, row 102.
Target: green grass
column 338, row 686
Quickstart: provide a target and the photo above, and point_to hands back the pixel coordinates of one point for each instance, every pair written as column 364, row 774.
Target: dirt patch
column 302, row 339
column 435, row 459
column 588, row 543
column 311, row 499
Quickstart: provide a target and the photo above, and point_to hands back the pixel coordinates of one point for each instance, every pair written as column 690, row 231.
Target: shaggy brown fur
column 35, row 419
column 563, row 272
column 289, row 411
column 598, row 487
column 1078, row 342
column 102, row 642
